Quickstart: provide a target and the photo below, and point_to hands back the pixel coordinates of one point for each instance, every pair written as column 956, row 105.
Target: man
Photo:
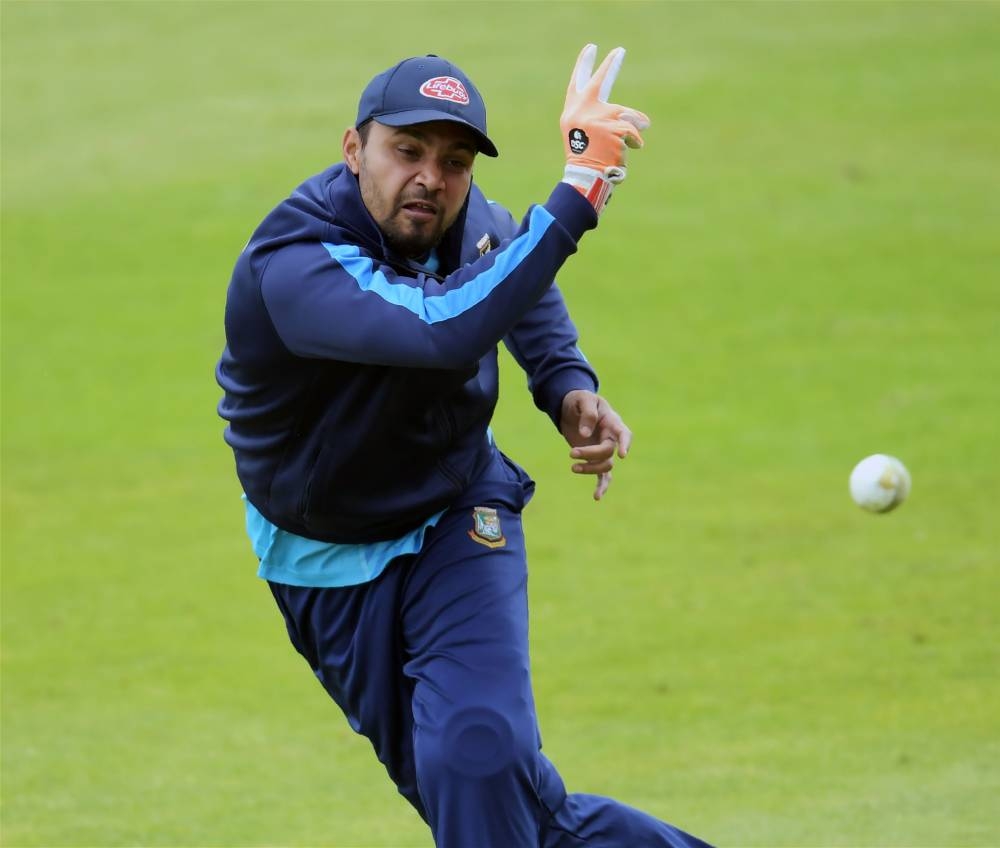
column 360, row 377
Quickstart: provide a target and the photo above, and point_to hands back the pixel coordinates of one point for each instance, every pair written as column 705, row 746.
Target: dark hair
column 363, row 131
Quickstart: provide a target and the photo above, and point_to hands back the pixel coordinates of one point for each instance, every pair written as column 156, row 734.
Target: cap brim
column 423, row 116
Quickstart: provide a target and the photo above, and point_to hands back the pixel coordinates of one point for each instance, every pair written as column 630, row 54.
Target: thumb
column 588, row 416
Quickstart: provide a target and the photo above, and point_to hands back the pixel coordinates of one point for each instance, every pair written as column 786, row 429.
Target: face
column 413, row 179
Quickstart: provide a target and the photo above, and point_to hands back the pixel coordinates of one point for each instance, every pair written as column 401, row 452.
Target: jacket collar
column 350, row 212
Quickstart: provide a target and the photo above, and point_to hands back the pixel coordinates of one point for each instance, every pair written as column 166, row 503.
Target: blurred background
column 801, row 270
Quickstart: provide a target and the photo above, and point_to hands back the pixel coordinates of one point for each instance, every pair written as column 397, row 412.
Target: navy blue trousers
column 430, row 662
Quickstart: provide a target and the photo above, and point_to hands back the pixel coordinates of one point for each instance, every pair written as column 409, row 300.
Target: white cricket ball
column 879, row 483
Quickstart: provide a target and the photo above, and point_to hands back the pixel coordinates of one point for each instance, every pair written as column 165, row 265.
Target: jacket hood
column 329, row 207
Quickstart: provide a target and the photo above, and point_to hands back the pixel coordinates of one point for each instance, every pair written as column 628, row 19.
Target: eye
column 459, row 165
column 407, row 152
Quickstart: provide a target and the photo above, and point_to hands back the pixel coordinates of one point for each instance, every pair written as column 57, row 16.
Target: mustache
column 423, row 196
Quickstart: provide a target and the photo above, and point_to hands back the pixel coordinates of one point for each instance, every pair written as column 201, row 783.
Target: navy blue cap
column 421, row 89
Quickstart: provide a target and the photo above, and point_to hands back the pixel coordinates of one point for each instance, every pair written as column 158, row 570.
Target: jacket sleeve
column 544, row 343
column 335, row 301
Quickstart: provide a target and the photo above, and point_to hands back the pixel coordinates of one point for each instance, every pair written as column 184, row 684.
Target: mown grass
column 801, row 270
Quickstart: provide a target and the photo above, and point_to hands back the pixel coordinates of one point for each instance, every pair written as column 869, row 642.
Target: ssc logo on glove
column 578, row 140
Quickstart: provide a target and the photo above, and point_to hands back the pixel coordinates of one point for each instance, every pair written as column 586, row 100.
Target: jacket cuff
column 572, row 210
column 549, row 397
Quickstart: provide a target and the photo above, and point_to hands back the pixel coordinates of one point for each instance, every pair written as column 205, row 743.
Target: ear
column 351, row 145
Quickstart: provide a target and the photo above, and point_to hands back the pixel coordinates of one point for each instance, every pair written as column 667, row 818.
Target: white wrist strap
column 595, row 185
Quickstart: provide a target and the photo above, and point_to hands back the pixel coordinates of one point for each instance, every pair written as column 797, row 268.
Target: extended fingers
column 603, row 80
column 608, row 72
column 584, row 65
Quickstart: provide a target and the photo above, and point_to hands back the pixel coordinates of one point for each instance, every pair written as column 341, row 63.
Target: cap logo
column 445, row 88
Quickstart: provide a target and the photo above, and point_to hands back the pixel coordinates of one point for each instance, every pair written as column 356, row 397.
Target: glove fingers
column 615, row 57
column 609, row 145
column 640, row 120
column 633, row 140
column 637, row 120
column 605, row 76
column 582, row 70
column 627, row 132
column 597, row 134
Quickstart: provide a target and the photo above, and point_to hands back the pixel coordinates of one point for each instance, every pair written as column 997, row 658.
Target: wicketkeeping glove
column 595, row 132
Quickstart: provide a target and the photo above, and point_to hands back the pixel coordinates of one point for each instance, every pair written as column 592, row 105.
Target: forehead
column 438, row 133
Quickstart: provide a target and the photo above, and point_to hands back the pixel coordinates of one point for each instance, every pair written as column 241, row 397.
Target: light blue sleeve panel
column 433, row 308
column 334, row 300
column 298, row 561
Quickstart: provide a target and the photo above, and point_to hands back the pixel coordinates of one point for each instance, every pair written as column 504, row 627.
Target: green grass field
column 802, row 269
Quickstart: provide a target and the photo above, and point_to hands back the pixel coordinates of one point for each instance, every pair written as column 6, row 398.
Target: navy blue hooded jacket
column 359, row 389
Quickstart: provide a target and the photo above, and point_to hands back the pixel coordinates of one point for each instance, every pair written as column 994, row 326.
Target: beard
column 410, row 240
column 405, row 236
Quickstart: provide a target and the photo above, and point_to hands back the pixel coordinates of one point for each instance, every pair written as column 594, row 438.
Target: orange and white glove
column 596, row 133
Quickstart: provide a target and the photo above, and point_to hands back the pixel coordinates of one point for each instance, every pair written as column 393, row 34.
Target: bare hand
column 596, row 433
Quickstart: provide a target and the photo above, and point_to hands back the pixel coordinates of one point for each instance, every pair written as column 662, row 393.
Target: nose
column 431, row 174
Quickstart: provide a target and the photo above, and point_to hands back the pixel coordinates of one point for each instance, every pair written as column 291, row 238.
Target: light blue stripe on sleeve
column 298, row 561
column 435, row 308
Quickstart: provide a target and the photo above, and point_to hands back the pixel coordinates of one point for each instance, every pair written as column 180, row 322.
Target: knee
column 482, row 741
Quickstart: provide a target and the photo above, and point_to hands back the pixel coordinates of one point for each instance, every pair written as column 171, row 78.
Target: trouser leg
column 482, row 777
column 350, row 638
column 597, row 822
column 476, row 743
column 430, row 661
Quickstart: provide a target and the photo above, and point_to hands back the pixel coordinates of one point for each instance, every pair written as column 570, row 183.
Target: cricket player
column 360, row 377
